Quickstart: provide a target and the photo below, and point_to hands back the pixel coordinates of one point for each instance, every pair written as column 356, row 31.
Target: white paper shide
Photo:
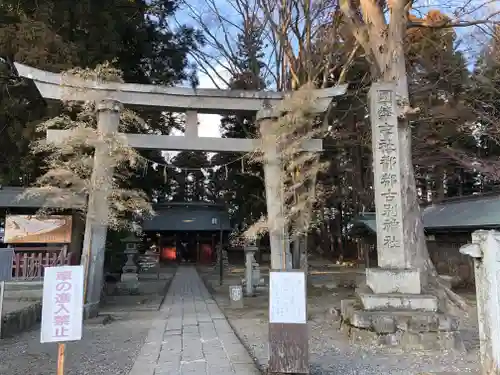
column 287, row 298
column 62, row 309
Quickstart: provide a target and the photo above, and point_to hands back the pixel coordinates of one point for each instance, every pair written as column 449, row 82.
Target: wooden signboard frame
column 16, row 233
column 288, row 340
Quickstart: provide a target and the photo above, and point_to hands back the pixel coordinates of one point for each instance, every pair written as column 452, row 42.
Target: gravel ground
column 110, row 343
column 330, row 353
column 330, row 350
column 105, row 349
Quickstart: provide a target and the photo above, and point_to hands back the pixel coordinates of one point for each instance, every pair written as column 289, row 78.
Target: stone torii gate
column 111, row 98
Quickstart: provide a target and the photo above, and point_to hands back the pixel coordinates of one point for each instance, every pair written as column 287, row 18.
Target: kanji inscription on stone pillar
column 387, row 176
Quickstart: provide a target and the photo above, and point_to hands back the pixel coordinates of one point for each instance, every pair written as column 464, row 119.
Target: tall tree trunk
column 439, row 178
column 394, row 70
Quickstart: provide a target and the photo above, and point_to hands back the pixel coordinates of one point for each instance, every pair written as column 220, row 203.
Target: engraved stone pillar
column 393, row 310
column 485, row 249
column 396, row 273
column 108, row 119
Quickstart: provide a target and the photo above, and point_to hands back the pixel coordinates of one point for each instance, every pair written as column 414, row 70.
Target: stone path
column 191, row 335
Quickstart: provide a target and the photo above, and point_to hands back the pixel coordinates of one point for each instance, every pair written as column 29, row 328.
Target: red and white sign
column 62, row 304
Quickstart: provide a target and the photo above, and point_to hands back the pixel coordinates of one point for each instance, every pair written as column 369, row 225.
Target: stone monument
column 392, row 307
column 252, row 270
column 485, row 250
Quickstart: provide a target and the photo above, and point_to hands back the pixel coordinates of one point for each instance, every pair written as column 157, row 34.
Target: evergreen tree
column 238, row 180
column 56, row 36
column 484, row 99
column 438, row 79
column 190, row 180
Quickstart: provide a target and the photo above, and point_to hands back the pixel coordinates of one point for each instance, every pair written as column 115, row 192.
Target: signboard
column 32, row 229
column 6, row 259
column 62, row 308
column 288, row 331
column 287, row 297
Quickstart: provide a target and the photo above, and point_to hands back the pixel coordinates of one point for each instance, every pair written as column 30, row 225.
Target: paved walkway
column 191, row 335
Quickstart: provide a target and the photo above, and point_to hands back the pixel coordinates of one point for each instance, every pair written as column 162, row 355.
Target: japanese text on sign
column 287, row 297
column 387, row 176
column 62, row 308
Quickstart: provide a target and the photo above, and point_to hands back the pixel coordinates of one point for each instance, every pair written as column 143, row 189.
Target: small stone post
column 236, row 296
column 485, row 249
column 96, row 228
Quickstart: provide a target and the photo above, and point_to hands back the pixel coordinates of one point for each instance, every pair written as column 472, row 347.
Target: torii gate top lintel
column 176, row 99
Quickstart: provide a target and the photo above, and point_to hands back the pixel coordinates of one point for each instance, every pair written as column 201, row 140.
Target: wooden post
column 198, row 254
column 2, row 294
column 213, row 248
column 61, row 347
column 221, row 260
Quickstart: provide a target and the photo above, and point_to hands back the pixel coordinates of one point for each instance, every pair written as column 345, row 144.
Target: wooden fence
column 29, row 262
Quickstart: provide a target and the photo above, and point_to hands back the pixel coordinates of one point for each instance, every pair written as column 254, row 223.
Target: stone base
column 407, row 340
column 21, row 320
column 428, row 330
column 396, row 301
column 129, row 277
column 384, row 280
column 129, row 269
column 90, row 310
column 129, row 284
column 256, row 282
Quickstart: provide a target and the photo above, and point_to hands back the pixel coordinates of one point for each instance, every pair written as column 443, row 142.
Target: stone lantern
column 130, row 277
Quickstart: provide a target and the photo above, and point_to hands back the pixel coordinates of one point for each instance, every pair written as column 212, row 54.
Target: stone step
column 396, row 301
column 24, row 285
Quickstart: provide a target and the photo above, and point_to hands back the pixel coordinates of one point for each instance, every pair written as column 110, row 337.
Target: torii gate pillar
column 273, row 181
column 96, row 227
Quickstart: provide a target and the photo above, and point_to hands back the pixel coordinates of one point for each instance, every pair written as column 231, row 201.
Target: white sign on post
column 62, row 304
column 287, row 297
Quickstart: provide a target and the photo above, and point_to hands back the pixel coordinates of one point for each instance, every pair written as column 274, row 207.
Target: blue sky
column 471, row 40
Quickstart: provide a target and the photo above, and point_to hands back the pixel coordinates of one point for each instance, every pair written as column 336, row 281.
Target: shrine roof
column 188, row 217
column 464, row 213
